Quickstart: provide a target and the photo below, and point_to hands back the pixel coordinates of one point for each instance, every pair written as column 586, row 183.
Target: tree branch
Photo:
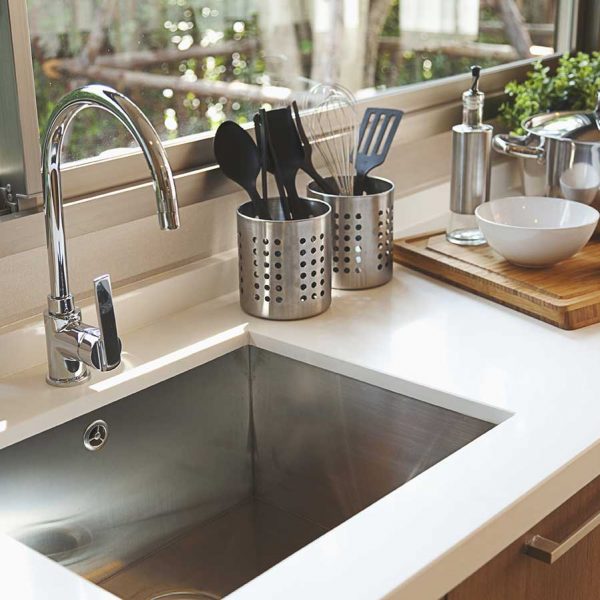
column 144, row 58
column 515, row 28
column 200, row 87
column 454, row 48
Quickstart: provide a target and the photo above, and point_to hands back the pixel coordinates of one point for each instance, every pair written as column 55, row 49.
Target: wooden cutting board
column 566, row 295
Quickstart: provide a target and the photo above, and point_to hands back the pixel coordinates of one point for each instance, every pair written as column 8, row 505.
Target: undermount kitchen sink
column 206, row 480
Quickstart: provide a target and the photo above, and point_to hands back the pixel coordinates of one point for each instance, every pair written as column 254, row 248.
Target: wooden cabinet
column 512, row 575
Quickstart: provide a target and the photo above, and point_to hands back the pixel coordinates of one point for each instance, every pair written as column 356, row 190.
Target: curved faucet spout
column 141, row 129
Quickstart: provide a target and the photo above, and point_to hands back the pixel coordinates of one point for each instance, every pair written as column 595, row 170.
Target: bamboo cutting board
column 566, row 295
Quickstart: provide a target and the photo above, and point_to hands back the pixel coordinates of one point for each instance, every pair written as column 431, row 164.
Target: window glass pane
column 190, row 64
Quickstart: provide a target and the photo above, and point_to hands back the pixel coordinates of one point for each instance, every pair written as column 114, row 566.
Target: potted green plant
column 574, row 85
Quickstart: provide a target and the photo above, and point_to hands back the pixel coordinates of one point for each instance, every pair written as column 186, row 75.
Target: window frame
column 430, row 108
column 19, row 155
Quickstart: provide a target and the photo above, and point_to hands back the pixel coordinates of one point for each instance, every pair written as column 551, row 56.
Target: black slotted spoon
column 377, row 130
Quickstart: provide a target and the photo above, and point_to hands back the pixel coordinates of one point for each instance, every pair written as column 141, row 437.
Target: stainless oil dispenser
column 470, row 182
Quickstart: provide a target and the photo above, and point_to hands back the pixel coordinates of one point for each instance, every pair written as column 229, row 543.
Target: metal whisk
column 332, row 123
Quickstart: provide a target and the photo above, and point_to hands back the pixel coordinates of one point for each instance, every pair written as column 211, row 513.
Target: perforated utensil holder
column 285, row 266
column 363, row 234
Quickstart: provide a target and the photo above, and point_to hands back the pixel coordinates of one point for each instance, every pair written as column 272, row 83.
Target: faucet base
column 63, row 340
column 75, row 379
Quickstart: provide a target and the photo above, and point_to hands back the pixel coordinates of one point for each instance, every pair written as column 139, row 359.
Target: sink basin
column 194, row 487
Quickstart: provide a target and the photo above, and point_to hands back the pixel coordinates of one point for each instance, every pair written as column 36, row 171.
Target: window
column 190, row 64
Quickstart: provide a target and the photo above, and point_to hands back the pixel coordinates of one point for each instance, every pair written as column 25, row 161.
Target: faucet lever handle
column 109, row 355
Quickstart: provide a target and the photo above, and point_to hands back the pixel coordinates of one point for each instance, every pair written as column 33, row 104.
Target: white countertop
column 415, row 336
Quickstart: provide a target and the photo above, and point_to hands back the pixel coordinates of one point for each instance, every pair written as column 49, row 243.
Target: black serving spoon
column 239, row 159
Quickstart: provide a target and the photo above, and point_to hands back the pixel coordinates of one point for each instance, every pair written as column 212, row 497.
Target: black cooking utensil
column 269, row 162
column 239, row 159
column 263, row 147
column 288, row 155
column 307, row 165
column 375, row 136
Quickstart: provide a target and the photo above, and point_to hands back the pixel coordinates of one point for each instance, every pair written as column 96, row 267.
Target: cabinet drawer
column 513, row 575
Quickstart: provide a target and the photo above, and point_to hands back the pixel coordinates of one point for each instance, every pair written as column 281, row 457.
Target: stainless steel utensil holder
column 285, row 266
column 363, row 235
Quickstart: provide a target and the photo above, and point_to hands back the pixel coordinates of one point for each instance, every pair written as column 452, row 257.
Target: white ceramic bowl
column 535, row 231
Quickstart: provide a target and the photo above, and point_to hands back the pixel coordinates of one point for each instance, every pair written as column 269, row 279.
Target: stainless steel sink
column 193, row 487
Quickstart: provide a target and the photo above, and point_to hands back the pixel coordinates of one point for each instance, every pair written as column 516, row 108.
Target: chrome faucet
column 71, row 344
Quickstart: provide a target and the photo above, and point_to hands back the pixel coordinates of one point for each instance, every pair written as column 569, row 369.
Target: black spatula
column 377, row 130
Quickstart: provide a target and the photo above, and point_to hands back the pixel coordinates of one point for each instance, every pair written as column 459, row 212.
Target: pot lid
column 576, row 126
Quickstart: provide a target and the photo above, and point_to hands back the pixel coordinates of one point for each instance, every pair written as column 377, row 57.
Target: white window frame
column 430, row 108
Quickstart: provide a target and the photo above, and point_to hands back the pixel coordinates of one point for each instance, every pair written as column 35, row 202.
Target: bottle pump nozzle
column 476, row 73
column 473, row 100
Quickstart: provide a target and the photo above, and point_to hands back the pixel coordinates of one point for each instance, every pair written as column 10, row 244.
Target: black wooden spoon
column 239, row 159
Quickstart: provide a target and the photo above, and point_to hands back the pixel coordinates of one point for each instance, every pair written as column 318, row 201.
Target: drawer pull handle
column 548, row 551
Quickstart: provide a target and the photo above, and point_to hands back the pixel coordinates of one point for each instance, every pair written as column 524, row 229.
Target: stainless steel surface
column 71, row 344
column 327, row 446
column 470, row 178
column 549, row 551
column 220, row 555
column 569, row 144
column 212, row 477
column 526, row 146
column 363, row 234
column 95, row 435
column 62, row 542
column 577, row 126
column 285, row 266
column 187, row 595
column 179, row 454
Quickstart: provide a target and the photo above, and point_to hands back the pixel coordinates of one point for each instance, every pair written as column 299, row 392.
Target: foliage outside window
column 190, row 64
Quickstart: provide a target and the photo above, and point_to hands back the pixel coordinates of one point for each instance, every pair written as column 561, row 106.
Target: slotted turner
column 377, row 130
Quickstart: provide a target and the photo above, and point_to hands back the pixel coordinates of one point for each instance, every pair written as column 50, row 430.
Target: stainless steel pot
column 569, row 145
